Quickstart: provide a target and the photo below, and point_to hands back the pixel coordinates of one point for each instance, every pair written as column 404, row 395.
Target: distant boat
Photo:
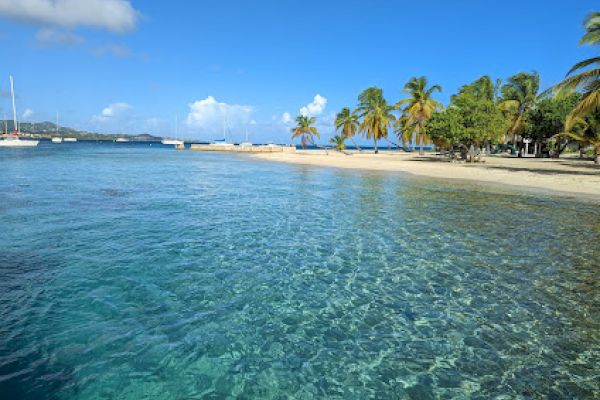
column 122, row 140
column 246, row 143
column 57, row 138
column 13, row 140
column 223, row 142
column 70, row 139
column 175, row 142
column 172, row 141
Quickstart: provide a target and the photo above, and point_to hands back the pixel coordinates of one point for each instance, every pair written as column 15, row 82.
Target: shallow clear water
column 135, row 271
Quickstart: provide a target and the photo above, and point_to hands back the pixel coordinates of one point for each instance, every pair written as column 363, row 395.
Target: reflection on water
column 138, row 272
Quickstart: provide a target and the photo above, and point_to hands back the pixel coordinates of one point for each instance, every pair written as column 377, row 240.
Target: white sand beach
column 566, row 175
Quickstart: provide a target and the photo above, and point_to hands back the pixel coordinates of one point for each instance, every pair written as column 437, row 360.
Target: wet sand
column 566, row 175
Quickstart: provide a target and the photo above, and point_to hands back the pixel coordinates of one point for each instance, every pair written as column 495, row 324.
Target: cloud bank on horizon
column 209, row 115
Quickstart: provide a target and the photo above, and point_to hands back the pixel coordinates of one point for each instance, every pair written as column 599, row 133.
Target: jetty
column 236, row 148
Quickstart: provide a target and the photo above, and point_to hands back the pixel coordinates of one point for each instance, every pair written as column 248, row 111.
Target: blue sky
column 132, row 66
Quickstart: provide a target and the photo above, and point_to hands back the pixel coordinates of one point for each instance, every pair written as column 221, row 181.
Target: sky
column 119, row 66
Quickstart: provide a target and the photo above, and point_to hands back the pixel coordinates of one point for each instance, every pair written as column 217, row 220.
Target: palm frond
column 583, row 64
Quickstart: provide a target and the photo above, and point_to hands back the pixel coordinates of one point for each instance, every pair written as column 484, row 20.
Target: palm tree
column 305, row 129
column 376, row 114
column 339, row 142
column 347, row 122
column 419, row 106
column 587, row 79
column 519, row 95
column 588, row 134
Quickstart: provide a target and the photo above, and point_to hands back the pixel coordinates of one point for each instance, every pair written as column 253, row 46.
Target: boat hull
column 18, row 143
column 172, row 142
column 69, row 139
column 57, row 140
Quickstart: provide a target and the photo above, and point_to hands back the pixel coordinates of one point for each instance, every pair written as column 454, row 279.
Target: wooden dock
column 234, row 148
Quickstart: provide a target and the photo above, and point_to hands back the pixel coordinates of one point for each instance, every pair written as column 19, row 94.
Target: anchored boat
column 13, row 139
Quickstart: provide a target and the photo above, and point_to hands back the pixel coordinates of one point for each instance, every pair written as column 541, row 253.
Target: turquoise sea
column 130, row 271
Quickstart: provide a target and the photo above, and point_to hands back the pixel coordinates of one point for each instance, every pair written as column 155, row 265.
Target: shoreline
column 565, row 176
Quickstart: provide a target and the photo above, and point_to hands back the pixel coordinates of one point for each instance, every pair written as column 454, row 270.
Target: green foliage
column 376, row 114
column 417, row 109
column 446, row 128
column 584, row 77
column 305, row 129
column 472, row 117
column 548, row 117
column 339, row 142
column 586, row 132
column 346, row 122
column 519, row 95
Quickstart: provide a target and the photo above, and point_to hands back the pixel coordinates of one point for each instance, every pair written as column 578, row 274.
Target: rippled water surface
column 138, row 272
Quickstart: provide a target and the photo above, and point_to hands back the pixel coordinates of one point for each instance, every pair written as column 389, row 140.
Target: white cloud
column 209, row 115
column 27, row 113
column 113, row 15
column 54, row 36
column 286, row 118
column 112, row 112
column 314, row 108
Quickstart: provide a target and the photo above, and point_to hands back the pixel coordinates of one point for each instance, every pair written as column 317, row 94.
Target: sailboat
column 13, row 140
column 175, row 142
column 246, row 142
column 57, row 138
column 222, row 142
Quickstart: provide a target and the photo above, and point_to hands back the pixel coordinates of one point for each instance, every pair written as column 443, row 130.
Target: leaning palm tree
column 582, row 77
column 347, row 122
column 376, row 115
column 586, row 132
column 339, row 142
column 417, row 108
column 305, row 129
column 519, row 95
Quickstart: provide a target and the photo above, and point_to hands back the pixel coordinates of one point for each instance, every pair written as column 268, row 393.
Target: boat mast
column 176, row 126
column 12, row 94
column 225, row 128
column 56, row 124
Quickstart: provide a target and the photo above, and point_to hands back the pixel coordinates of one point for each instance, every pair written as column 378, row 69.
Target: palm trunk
column 355, row 144
column 421, row 140
column 597, row 154
column 375, row 140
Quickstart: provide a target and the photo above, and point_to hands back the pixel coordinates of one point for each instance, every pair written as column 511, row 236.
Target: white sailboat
column 246, row 142
column 57, row 138
column 13, row 139
column 175, row 142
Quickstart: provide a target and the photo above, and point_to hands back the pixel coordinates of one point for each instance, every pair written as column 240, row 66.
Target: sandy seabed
column 568, row 175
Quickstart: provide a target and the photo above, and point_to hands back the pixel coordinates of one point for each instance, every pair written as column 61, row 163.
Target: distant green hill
column 48, row 129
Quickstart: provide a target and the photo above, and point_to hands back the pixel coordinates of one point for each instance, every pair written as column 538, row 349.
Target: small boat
column 13, row 139
column 122, row 140
column 57, row 138
column 246, row 143
column 223, row 142
column 70, row 139
column 175, row 142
